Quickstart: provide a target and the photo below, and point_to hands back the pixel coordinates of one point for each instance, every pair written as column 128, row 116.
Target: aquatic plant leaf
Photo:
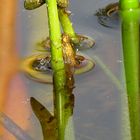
column 47, row 121
column 13, row 128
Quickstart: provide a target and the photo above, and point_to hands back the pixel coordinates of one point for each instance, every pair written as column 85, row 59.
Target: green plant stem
column 61, row 94
column 128, row 4
column 130, row 41
column 55, row 36
column 67, row 25
column 63, row 106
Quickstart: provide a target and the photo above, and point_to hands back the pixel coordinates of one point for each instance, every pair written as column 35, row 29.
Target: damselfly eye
column 33, row 4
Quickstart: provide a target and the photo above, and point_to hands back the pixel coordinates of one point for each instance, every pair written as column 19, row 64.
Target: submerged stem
column 128, row 4
column 62, row 97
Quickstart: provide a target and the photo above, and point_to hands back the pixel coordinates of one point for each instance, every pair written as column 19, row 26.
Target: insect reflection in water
column 109, row 16
column 38, row 67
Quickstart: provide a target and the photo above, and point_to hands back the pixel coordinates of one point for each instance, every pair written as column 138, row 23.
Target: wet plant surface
column 85, row 43
column 96, row 112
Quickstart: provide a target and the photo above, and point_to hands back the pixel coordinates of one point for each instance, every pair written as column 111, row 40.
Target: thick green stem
column 62, row 96
column 67, row 25
column 63, row 101
column 128, row 4
column 55, row 36
column 130, row 40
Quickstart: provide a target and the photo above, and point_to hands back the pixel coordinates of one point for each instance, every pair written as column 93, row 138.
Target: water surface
column 97, row 98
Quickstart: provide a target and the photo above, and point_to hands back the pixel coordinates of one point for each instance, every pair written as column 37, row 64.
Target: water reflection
column 96, row 110
column 85, row 43
column 38, row 67
column 109, row 16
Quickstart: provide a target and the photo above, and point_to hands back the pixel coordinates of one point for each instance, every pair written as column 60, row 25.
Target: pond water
column 97, row 97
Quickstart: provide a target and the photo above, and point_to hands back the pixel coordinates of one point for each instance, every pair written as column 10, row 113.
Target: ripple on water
column 38, row 67
column 109, row 15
